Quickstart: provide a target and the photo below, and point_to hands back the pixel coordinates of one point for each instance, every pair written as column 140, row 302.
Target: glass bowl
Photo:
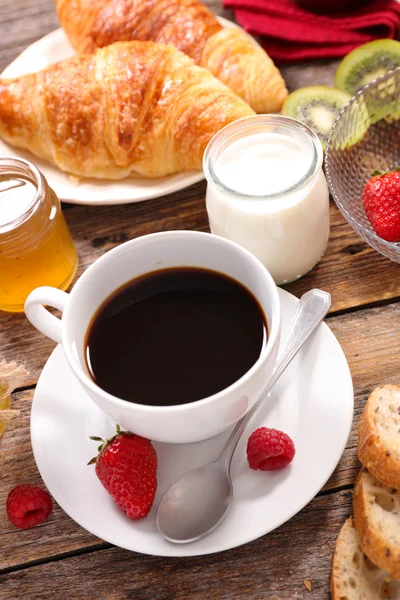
column 364, row 137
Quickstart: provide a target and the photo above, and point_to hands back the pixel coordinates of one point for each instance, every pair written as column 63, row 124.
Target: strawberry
column 126, row 466
column 381, row 202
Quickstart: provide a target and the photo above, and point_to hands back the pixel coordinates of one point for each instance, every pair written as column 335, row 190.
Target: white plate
column 50, row 49
column 313, row 403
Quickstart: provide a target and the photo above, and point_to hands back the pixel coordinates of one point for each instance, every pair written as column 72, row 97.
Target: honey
column 36, row 247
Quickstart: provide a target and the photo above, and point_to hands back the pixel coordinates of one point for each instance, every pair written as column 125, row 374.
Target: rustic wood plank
column 371, row 364
column 351, row 271
column 59, row 533
column 22, row 22
column 371, row 343
column 321, row 72
column 96, row 230
column 262, row 569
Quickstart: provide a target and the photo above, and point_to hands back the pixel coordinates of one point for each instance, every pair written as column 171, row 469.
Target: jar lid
column 21, row 187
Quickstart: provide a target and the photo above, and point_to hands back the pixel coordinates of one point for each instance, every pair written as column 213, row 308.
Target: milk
column 262, row 164
column 266, row 191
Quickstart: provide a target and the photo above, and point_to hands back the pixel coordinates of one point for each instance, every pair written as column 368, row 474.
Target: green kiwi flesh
column 316, row 106
column 366, row 63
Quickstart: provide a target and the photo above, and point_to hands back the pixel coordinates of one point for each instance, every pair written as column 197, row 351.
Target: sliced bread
column 379, row 435
column 376, row 509
column 354, row 577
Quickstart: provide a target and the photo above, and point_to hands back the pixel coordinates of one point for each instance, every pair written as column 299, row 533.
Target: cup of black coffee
column 173, row 334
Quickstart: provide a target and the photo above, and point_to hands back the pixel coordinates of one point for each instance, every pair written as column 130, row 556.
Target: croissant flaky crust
column 91, row 24
column 132, row 107
column 188, row 25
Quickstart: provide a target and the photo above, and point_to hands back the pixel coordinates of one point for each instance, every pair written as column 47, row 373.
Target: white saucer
column 313, row 403
column 50, row 49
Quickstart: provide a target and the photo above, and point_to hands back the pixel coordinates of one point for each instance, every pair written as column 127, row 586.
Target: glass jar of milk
column 267, row 191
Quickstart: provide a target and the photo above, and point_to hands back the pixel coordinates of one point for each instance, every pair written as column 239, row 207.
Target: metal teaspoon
column 197, row 503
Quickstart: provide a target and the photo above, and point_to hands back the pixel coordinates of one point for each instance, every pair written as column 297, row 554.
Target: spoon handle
column 312, row 308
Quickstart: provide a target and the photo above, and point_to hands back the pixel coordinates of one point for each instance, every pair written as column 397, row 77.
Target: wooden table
column 59, row 558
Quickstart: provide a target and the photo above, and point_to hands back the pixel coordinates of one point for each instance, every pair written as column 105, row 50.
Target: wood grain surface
column 350, row 269
column 271, row 568
column 370, row 364
column 59, row 558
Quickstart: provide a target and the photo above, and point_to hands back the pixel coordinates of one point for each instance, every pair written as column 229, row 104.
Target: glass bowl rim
column 357, row 225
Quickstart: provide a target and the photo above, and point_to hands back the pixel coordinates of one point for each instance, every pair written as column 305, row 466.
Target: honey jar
column 36, row 247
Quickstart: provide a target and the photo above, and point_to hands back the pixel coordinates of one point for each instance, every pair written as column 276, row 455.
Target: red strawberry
column 381, row 202
column 127, row 467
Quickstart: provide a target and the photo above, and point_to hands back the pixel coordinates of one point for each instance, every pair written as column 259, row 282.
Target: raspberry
column 28, row 505
column 269, row 449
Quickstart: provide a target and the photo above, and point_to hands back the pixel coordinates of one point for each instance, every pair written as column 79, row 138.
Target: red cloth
column 288, row 32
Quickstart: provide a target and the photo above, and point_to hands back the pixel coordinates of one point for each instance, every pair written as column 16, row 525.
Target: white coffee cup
column 182, row 423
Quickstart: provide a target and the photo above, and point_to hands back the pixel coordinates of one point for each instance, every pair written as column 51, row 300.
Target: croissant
column 191, row 27
column 132, row 107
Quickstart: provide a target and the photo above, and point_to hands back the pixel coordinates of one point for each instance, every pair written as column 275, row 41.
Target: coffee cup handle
column 40, row 317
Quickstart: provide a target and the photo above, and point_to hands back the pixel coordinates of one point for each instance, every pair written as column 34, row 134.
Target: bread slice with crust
column 376, row 509
column 379, row 435
column 354, row 577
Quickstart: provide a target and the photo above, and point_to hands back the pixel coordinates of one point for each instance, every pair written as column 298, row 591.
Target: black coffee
column 174, row 336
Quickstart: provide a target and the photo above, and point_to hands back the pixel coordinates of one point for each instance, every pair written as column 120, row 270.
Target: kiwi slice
column 316, row 106
column 366, row 63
